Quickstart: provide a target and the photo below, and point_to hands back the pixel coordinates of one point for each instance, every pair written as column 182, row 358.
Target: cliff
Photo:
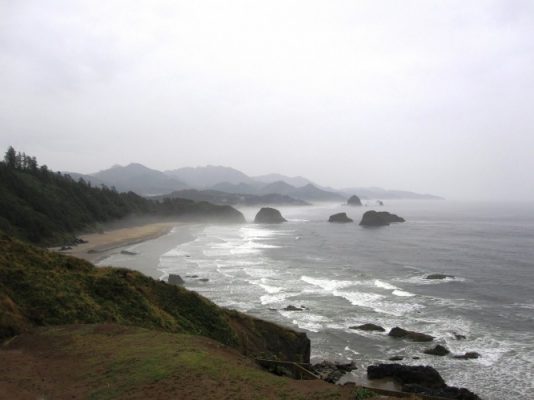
column 42, row 288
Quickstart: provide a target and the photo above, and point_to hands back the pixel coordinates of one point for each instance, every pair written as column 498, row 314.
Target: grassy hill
column 42, row 288
column 44, row 207
column 110, row 361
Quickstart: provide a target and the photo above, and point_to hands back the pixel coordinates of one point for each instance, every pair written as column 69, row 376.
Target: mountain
column 278, row 187
column 45, row 207
column 223, row 198
column 379, row 193
column 313, row 193
column 139, row 179
column 203, row 177
column 297, row 181
column 237, row 188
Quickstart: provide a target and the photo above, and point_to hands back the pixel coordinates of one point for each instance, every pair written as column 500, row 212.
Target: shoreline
column 102, row 245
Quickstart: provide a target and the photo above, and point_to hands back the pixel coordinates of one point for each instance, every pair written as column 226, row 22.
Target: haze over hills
column 216, row 180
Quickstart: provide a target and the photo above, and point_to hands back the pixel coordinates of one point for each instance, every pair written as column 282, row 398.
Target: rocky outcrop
column 354, row 201
column 410, row 335
column 379, row 218
column 405, row 374
column 263, row 339
column 339, row 218
column 332, row 372
column 269, row 215
column 470, row 355
column 439, row 276
column 368, row 327
column 419, row 379
column 379, row 203
column 175, row 280
column 293, row 308
column 437, row 350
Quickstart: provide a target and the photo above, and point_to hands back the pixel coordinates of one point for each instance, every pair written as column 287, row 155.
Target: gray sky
column 429, row 96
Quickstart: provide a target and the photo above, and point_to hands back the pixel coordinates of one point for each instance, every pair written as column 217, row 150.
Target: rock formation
column 437, row 350
column 379, row 218
column 269, row 215
column 410, row 335
column 439, row 276
column 175, row 280
column 368, row 327
column 419, row 379
column 339, row 218
column 354, row 201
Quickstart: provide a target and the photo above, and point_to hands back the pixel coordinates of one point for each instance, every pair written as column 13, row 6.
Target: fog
column 428, row 96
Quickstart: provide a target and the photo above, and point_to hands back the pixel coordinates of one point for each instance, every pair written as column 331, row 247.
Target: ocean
column 345, row 275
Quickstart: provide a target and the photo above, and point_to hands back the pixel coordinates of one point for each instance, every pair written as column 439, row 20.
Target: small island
column 379, row 218
column 354, row 201
column 269, row 215
column 340, row 218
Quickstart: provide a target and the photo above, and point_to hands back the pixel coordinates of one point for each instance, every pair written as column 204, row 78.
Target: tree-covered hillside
column 46, row 207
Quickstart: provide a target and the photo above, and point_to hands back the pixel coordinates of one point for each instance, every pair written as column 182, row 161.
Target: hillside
column 42, row 288
column 44, row 207
column 223, row 198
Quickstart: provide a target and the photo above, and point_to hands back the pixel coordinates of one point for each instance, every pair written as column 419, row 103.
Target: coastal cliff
column 42, row 288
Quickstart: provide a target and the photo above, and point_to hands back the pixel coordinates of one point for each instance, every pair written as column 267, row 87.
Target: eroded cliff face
column 263, row 339
column 39, row 288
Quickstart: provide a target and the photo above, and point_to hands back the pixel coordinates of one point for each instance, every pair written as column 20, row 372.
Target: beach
column 100, row 246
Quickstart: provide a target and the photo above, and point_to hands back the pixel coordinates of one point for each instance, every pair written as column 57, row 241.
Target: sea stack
column 379, row 218
column 269, row 216
column 354, row 201
column 339, row 218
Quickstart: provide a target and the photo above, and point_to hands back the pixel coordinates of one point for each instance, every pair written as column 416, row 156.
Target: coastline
column 102, row 245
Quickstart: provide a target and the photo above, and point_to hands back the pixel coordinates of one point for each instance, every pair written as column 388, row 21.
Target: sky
column 429, row 96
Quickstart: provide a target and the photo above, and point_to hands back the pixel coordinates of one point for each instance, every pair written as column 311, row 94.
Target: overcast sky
column 429, row 96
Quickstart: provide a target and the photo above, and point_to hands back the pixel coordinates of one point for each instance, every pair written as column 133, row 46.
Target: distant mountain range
column 225, row 185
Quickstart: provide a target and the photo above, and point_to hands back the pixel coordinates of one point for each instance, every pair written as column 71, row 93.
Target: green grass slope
column 110, row 361
column 39, row 287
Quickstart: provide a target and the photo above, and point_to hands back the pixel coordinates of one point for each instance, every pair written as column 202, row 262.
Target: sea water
column 345, row 275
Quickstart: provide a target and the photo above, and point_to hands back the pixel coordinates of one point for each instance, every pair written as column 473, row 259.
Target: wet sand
column 101, row 245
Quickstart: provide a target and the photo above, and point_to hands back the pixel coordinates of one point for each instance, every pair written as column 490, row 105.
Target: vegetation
column 45, row 207
column 40, row 287
column 363, row 393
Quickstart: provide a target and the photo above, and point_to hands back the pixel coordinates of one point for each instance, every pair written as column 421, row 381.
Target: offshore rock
column 269, row 215
column 413, row 336
column 437, row 350
column 368, row 327
column 339, row 218
column 379, row 218
column 354, row 201
column 175, row 280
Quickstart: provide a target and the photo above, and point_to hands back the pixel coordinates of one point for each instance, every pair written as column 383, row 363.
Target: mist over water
column 346, row 275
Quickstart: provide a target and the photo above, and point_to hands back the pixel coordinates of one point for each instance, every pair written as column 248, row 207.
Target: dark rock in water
column 396, row 358
column 379, row 218
column 368, row 327
column 438, row 276
column 413, row 336
column 416, row 358
column 379, row 203
column 191, row 276
column 354, row 201
column 419, row 379
column 457, row 336
column 269, row 215
column 449, row 392
column 293, row 308
column 128, row 253
column 437, row 350
column 470, row 355
column 175, row 280
column 407, row 374
column 332, row 372
column 340, row 217
column 203, row 280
